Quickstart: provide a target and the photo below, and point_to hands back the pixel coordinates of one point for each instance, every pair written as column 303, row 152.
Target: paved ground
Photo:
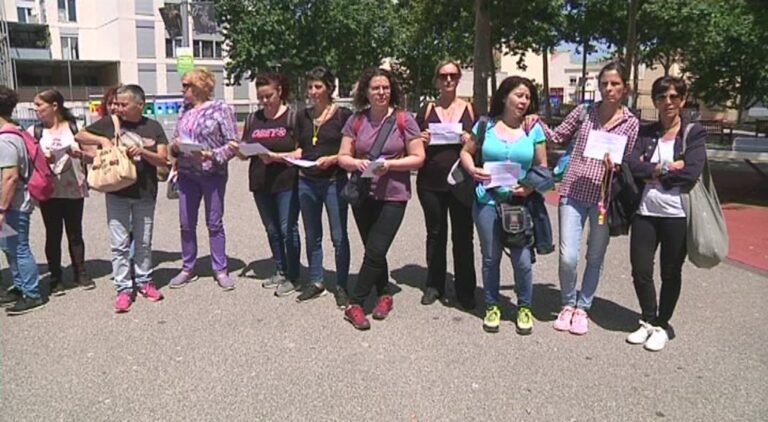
column 203, row 354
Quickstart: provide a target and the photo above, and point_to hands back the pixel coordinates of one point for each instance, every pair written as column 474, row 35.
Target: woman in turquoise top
column 505, row 140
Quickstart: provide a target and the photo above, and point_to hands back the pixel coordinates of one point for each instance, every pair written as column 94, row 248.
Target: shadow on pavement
column 415, row 276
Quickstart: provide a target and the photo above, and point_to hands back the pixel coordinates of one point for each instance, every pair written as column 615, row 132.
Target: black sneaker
column 9, row 296
column 85, row 282
column 312, row 291
column 342, row 300
column 56, row 287
column 25, row 305
column 430, row 296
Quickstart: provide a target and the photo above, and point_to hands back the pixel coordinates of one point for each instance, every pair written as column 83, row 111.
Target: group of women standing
column 312, row 150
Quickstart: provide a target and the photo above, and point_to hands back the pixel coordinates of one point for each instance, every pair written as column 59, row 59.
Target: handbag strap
column 116, row 124
column 381, row 137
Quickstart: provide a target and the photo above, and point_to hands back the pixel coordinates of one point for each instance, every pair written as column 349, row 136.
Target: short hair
column 618, row 67
column 8, row 100
column 203, row 79
column 278, row 80
column 499, row 98
column 106, row 99
column 134, row 91
column 661, row 86
column 360, row 99
column 325, row 76
column 52, row 96
column 442, row 64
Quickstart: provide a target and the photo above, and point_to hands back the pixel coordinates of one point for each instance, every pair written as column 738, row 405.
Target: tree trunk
column 634, row 6
column 635, row 82
column 492, row 64
column 482, row 46
column 545, row 80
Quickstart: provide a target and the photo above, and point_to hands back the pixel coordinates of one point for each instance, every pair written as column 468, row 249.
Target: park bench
column 718, row 128
column 750, row 149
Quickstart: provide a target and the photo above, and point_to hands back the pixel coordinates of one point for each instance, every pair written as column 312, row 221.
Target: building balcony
column 31, row 53
column 77, row 80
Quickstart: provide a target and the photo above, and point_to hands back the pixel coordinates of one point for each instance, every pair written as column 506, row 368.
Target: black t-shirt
column 146, row 174
column 277, row 135
column 439, row 158
column 328, row 140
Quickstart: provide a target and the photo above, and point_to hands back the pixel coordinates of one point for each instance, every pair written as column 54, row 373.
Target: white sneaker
column 641, row 334
column 657, row 340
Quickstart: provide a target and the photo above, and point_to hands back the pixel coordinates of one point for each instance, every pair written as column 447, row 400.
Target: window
column 145, row 39
column 25, row 14
column 69, row 50
column 572, row 81
column 170, row 47
column 207, row 49
column 67, row 11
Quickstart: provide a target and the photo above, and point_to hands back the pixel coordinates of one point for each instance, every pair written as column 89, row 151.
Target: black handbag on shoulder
column 358, row 188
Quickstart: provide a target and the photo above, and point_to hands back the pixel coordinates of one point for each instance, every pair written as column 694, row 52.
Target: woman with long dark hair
column 64, row 210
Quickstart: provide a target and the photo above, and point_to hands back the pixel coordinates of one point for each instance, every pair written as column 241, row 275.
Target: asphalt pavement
column 205, row 354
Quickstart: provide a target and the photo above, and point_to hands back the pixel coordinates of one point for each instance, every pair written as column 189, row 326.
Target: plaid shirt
column 583, row 179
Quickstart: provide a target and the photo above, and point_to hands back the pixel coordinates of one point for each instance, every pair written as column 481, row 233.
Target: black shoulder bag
column 358, row 188
column 461, row 183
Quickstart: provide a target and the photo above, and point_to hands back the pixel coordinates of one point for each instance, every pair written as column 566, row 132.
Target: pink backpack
column 41, row 179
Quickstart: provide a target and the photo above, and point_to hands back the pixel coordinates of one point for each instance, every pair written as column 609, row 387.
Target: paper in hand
column 502, row 174
column 253, row 148
column 599, row 142
column 445, row 133
column 372, row 166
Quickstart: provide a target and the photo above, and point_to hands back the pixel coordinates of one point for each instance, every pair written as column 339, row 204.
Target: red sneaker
column 149, row 291
column 383, row 307
column 123, row 302
column 356, row 316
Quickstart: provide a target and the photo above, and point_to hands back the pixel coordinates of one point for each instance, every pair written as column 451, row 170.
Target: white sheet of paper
column 598, row 143
column 301, row 163
column 189, row 148
column 7, row 231
column 253, row 148
column 445, row 133
column 373, row 165
column 502, row 173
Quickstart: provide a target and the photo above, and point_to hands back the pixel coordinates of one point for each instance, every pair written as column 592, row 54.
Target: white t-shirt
column 657, row 201
column 70, row 178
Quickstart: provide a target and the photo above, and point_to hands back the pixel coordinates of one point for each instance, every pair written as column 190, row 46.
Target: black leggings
column 378, row 222
column 437, row 205
column 647, row 234
column 59, row 213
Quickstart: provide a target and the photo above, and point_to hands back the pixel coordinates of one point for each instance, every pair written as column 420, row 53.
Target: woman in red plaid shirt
column 581, row 193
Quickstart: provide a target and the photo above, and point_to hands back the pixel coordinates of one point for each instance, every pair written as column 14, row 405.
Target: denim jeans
column 20, row 259
column 280, row 216
column 573, row 216
column 128, row 219
column 489, row 232
column 313, row 194
column 210, row 189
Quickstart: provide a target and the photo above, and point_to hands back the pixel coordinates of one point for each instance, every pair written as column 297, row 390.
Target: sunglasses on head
column 672, row 97
column 445, row 76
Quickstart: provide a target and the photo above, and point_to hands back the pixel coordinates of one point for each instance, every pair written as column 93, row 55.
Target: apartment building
column 83, row 47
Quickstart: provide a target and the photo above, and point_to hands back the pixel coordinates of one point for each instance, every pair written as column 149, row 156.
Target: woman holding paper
column 381, row 212
column 443, row 124
column 319, row 136
column 508, row 148
column 202, row 146
column 664, row 165
column 272, row 180
column 583, row 194
column 56, row 133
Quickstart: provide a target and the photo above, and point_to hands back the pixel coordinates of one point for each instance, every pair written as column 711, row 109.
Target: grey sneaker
column 285, row 288
column 273, row 281
column 181, row 279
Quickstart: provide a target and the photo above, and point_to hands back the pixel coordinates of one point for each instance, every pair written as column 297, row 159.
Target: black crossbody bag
column 358, row 188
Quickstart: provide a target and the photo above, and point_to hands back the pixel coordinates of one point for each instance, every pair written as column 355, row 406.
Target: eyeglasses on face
column 185, row 86
column 446, row 76
column 671, row 97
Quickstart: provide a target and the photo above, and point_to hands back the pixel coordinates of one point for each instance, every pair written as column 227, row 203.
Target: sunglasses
column 186, row 86
column 671, row 97
column 445, row 76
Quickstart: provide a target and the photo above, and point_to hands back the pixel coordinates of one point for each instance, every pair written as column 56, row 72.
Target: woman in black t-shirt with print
column 319, row 137
column 273, row 181
column 438, row 199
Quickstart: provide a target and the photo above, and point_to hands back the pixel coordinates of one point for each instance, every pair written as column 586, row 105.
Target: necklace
column 318, row 121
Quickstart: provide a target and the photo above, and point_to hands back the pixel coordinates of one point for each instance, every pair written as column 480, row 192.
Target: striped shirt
column 583, row 179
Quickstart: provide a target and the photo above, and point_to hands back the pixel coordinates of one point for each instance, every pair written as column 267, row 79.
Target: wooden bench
column 719, row 128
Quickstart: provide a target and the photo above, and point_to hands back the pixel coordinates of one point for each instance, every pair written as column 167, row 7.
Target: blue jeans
column 130, row 228
column 20, row 259
column 573, row 216
column 489, row 232
column 313, row 194
column 280, row 216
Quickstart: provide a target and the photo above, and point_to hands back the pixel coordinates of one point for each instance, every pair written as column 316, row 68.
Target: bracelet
column 664, row 169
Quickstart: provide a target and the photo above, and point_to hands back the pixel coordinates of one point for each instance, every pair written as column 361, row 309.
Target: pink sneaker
column 563, row 322
column 149, row 291
column 580, row 323
column 383, row 307
column 123, row 302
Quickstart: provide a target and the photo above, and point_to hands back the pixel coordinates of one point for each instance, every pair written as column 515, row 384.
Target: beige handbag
column 112, row 168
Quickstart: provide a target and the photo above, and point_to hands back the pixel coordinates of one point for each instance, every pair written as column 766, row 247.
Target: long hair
column 360, row 99
column 508, row 85
column 52, row 96
column 106, row 99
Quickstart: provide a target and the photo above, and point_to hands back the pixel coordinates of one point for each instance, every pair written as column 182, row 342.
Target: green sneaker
column 492, row 319
column 524, row 320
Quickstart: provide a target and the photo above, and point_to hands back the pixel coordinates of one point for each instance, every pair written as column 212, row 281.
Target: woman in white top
column 64, row 210
column 665, row 165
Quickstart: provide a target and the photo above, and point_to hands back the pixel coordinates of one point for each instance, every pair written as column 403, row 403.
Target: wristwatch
column 664, row 169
